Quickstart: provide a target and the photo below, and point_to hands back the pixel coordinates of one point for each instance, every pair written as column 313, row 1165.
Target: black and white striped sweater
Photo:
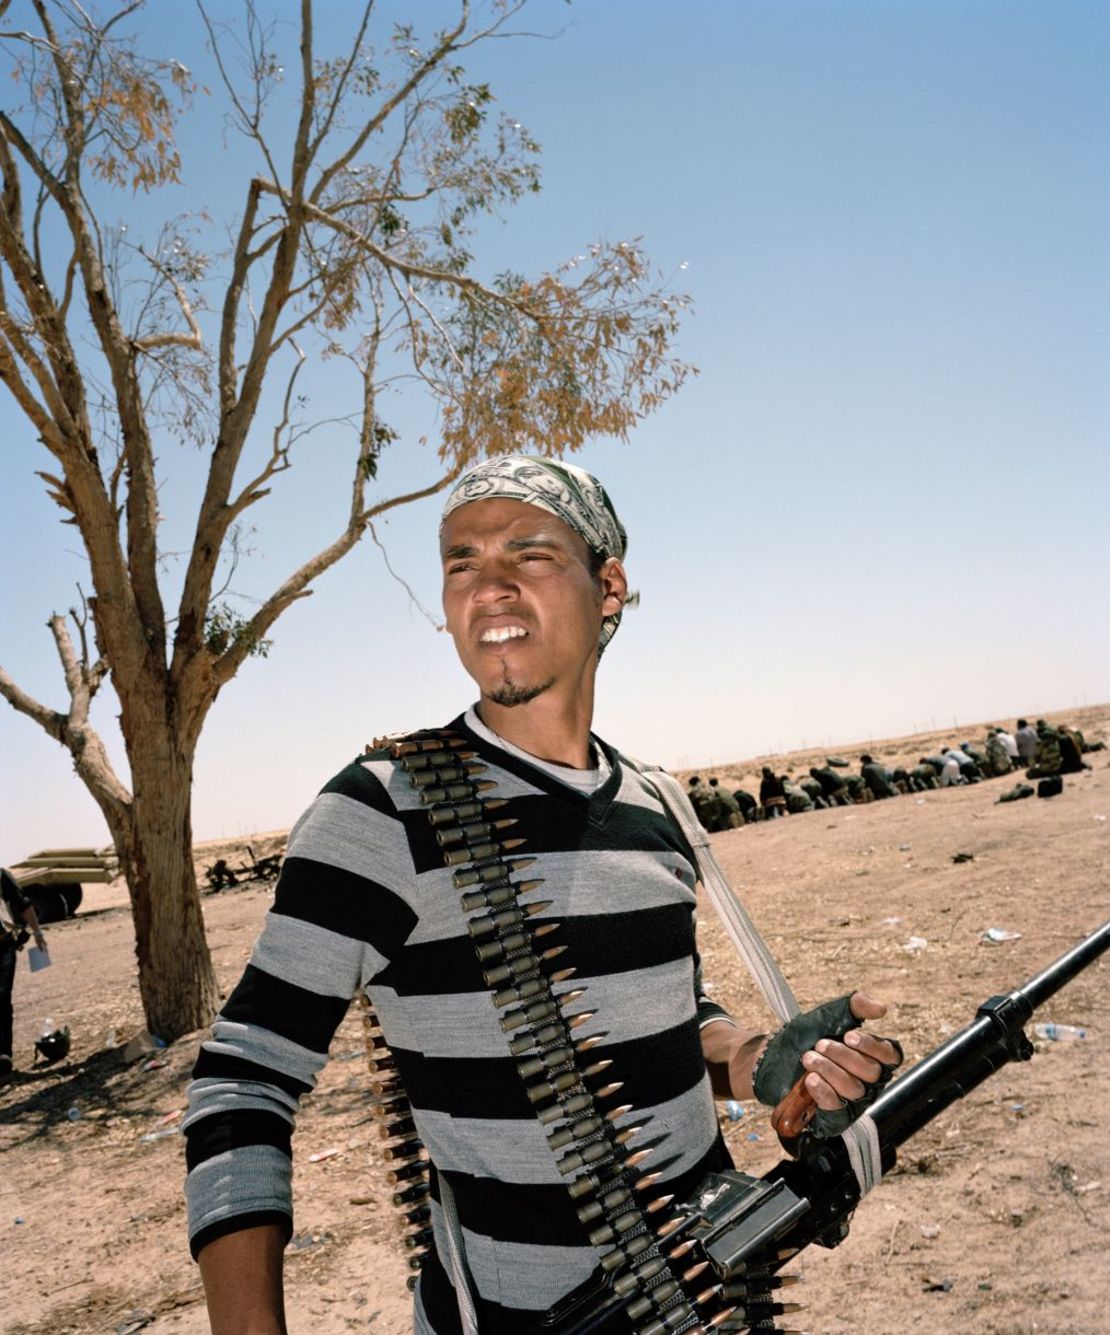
column 364, row 902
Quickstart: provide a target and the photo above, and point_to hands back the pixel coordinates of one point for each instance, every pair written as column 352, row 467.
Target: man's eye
column 535, row 556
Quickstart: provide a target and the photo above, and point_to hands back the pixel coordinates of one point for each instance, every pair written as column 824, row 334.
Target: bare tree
column 350, row 241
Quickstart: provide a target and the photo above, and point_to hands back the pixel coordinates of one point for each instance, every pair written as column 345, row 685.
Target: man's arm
column 242, row 1282
column 31, row 918
column 330, row 930
column 836, row 1070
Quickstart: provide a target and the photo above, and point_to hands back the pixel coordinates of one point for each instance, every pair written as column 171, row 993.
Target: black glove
column 780, row 1067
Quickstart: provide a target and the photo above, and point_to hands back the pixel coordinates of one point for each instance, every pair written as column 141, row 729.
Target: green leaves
column 224, row 628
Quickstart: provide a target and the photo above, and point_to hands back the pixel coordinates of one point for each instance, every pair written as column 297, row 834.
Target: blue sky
column 882, row 502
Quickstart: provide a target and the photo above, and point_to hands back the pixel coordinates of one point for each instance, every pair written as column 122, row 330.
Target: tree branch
column 72, row 729
column 389, row 106
column 278, row 461
column 296, row 586
column 48, row 719
column 193, row 339
column 407, row 267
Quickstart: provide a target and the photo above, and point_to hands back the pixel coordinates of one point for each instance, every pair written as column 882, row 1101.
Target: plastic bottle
column 734, row 1110
column 1058, row 1033
column 48, row 1026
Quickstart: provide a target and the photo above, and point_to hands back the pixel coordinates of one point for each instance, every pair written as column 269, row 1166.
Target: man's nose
column 496, row 582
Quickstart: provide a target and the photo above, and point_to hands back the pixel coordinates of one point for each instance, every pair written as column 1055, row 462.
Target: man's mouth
column 500, row 634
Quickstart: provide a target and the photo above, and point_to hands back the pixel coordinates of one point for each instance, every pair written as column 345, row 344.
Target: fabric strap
column 861, row 1139
column 456, row 1259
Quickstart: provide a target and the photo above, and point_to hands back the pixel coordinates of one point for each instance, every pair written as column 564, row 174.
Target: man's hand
column 844, row 1067
column 839, row 1070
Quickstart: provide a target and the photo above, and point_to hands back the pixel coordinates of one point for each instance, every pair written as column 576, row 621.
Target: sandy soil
column 995, row 1220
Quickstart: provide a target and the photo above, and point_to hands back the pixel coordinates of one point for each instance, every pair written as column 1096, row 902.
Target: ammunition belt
column 640, row 1239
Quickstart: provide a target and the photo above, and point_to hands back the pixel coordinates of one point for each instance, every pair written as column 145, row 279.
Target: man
column 877, row 777
column 771, row 797
column 834, row 788
column 814, row 791
column 1009, row 741
column 728, row 814
column 923, row 776
column 533, row 589
column 699, row 797
column 1047, row 759
column 18, row 919
column 1071, row 750
column 969, row 770
column 797, row 799
column 1026, row 738
column 748, row 804
column 998, row 755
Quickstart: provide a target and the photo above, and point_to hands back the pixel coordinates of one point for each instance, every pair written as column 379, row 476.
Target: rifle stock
column 801, row 1201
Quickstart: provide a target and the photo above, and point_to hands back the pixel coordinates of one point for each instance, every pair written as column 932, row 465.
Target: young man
column 533, row 589
column 17, row 919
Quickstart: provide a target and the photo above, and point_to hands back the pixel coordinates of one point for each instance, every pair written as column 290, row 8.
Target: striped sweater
column 364, row 901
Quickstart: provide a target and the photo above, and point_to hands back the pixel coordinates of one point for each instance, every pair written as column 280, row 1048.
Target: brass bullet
column 642, row 1306
column 629, row 1283
column 455, row 792
column 524, row 991
column 404, row 1172
column 599, row 1152
column 606, row 1091
column 546, row 1061
column 391, row 1130
column 538, row 1010
column 407, row 1149
column 486, row 874
column 573, row 1021
column 565, row 1108
column 626, row 1251
column 420, row 1191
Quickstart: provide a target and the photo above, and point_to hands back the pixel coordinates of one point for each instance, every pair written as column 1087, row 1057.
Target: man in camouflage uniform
column 877, row 778
column 727, row 813
column 797, row 799
column 700, row 799
column 1048, row 759
column 833, row 787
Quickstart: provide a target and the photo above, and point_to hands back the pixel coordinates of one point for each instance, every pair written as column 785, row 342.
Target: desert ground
column 995, row 1220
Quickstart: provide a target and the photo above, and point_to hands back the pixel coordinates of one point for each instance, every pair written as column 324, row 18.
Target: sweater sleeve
column 339, row 915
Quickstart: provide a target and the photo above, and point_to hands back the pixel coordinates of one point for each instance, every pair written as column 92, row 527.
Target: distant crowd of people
column 1042, row 751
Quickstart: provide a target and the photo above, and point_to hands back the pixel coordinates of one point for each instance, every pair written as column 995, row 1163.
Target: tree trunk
column 155, row 847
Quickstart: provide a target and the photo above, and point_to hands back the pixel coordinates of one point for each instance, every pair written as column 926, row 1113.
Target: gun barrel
column 1049, row 981
column 993, row 1038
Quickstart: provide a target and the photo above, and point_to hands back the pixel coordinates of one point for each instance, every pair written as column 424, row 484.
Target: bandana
column 569, row 493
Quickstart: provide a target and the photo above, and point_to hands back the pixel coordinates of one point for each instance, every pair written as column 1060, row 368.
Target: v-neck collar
column 597, row 803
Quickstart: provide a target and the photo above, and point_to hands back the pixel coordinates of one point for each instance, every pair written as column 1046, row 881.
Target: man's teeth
column 499, row 634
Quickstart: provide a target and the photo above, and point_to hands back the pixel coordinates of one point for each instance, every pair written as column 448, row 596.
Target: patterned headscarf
column 569, row 493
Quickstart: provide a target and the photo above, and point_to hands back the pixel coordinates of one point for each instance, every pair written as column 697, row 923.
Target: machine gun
column 745, row 1225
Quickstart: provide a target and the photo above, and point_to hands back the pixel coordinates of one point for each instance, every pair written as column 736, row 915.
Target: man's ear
column 614, row 586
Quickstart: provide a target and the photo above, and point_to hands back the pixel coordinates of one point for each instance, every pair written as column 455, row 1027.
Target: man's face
column 522, row 605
